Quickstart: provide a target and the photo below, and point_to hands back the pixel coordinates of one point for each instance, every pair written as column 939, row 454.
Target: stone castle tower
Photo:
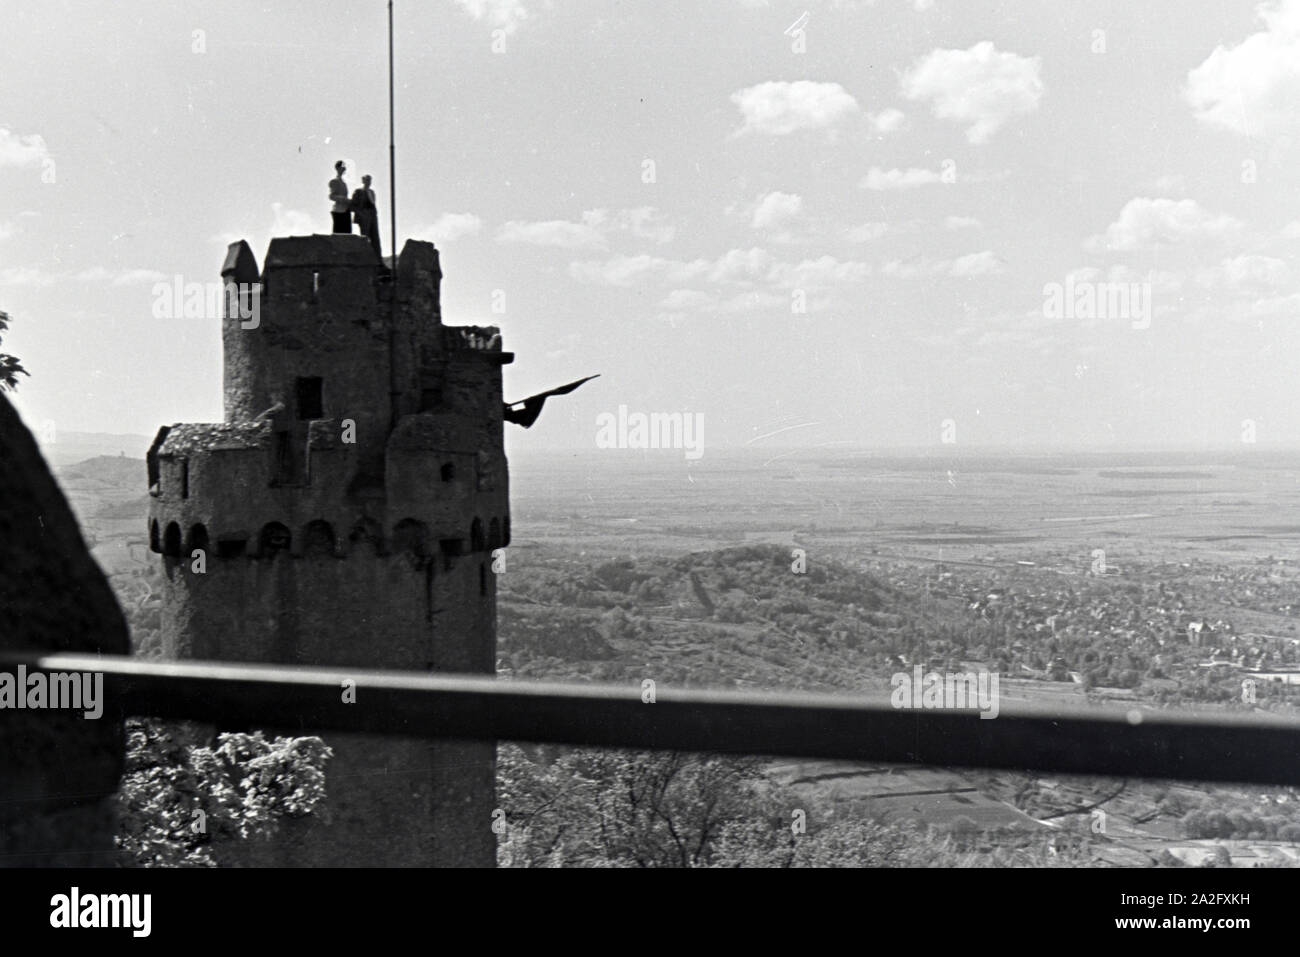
column 345, row 512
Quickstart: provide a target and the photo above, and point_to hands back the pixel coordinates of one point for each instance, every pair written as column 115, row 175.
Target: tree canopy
column 10, row 366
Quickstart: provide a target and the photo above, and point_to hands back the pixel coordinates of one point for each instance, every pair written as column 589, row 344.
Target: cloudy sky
column 842, row 227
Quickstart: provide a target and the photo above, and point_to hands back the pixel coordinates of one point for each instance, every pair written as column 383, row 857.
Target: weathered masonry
column 344, row 515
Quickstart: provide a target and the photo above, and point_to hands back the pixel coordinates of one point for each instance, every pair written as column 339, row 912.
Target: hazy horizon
column 64, row 444
column 857, row 234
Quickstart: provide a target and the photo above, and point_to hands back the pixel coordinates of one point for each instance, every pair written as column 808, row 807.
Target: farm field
column 624, row 566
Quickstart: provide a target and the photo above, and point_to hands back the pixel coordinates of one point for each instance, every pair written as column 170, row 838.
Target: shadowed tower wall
column 345, row 513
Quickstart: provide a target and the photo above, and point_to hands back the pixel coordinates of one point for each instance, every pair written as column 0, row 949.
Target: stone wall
column 367, row 554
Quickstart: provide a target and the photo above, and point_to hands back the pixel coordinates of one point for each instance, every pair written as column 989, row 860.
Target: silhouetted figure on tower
column 366, row 214
column 340, row 211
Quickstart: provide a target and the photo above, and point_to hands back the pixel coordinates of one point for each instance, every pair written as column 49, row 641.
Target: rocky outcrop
column 58, row 769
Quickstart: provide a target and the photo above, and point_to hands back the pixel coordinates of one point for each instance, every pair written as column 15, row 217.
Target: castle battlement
column 369, row 410
column 344, row 514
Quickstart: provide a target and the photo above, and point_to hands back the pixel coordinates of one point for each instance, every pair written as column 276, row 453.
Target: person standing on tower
column 367, row 214
column 339, row 195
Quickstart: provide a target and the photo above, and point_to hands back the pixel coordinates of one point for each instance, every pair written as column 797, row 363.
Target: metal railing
column 1250, row 748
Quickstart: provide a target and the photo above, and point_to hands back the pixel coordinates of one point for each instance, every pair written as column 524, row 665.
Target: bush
column 177, row 803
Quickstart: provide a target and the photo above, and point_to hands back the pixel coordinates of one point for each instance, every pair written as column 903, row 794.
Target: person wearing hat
column 341, row 210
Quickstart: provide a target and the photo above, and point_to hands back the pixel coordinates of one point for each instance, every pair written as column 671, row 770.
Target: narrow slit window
column 309, row 398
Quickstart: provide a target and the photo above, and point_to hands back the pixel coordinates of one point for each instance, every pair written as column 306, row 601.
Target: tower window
column 283, row 458
column 308, row 389
column 185, row 478
column 275, row 538
column 448, row 472
column 318, row 539
column 172, row 541
column 430, row 400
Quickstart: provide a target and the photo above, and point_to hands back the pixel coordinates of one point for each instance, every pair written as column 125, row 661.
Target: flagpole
column 392, row 150
column 394, row 394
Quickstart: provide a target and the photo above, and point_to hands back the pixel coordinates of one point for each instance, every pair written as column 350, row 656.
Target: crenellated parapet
column 345, row 514
column 358, row 427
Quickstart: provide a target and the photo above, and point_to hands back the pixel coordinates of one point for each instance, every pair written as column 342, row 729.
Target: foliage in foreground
column 10, row 367
column 589, row 808
column 179, row 803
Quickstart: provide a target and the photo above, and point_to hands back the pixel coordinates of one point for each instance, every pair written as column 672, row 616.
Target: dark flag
column 532, row 406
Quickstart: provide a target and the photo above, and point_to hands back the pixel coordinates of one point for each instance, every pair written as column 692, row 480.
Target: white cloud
column 766, row 284
column 688, row 299
column 778, row 108
column 1171, row 183
column 754, row 299
column 741, row 265
column 1250, row 271
column 1253, row 88
column 680, row 304
column 502, row 14
column 676, row 270
column 776, row 211
column 134, row 277
column 1274, row 307
column 888, row 120
column 981, row 88
column 284, row 222
column 818, row 272
column 26, row 276
column 1163, row 282
column 881, row 179
column 593, row 232
column 449, row 227
column 21, row 150
column 10, row 228
column 866, row 232
column 38, row 277
column 621, row 271
column 646, row 222
column 1083, row 274
column 753, row 269
column 973, row 264
column 1146, row 223
column 292, row 222
column 1291, row 230
column 961, row 222
column 555, row 232
column 120, row 277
